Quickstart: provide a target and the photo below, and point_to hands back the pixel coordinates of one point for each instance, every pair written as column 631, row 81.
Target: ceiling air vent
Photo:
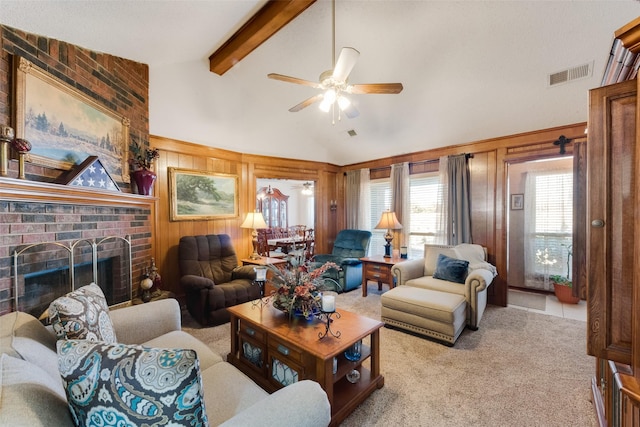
column 352, row 132
column 575, row 73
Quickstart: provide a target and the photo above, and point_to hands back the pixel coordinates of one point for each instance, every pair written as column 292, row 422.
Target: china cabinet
column 274, row 207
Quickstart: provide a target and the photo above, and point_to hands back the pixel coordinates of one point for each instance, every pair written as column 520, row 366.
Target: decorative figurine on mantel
column 6, row 136
column 141, row 164
column 22, row 147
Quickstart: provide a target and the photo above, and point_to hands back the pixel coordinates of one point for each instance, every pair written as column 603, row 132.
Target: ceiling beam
column 272, row 17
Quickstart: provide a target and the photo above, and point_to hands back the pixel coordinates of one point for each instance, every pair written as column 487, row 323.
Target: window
column 380, row 201
column 423, row 199
column 423, row 196
column 553, row 222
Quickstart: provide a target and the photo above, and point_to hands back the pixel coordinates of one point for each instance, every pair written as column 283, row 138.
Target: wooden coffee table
column 275, row 351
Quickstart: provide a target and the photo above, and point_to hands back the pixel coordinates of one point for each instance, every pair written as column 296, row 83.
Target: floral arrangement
column 143, row 158
column 564, row 280
column 299, row 287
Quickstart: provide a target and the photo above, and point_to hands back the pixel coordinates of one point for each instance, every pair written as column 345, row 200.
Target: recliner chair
column 212, row 279
column 349, row 247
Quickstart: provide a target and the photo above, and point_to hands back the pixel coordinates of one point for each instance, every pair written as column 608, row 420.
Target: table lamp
column 390, row 222
column 254, row 220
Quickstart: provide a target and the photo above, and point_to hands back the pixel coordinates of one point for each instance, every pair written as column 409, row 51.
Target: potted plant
column 562, row 285
column 141, row 163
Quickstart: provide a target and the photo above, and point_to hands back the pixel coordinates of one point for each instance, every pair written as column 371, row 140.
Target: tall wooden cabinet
column 274, row 207
column 613, row 260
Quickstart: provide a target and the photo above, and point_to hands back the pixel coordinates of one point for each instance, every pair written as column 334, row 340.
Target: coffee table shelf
column 275, row 350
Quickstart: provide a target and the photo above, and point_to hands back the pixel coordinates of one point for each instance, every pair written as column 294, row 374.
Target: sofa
column 476, row 275
column 348, row 248
column 212, row 279
column 32, row 392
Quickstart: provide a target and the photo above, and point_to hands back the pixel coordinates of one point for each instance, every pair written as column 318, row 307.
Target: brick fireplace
column 33, row 212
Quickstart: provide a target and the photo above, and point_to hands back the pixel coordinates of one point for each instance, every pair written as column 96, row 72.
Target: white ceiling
column 471, row 70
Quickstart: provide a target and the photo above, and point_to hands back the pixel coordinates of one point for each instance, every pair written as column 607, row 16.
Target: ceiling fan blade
column 388, row 88
column 295, row 80
column 351, row 111
column 346, row 62
column 306, row 103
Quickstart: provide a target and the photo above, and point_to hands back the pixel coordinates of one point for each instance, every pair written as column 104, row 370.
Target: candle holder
column 325, row 316
column 260, row 280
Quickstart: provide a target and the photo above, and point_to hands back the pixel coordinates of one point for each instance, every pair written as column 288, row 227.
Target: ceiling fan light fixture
column 343, row 102
column 325, row 106
column 328, row 99
column 307, row 190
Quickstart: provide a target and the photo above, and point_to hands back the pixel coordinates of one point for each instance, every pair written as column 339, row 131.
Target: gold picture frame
column 64, row 126
column 201, row 195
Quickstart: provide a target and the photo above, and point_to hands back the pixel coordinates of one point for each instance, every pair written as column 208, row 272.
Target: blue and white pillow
column 130, row 385
column 82, row 314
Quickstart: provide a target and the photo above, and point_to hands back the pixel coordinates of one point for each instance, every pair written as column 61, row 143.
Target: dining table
column 286, row 244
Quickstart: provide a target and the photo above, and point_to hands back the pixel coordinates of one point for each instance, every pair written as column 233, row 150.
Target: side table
column 378, row 269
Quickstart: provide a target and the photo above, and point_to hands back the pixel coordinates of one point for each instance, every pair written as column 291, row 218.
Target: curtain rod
column 421, row 162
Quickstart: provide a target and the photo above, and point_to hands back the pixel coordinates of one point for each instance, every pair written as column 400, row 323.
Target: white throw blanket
column 475, row 255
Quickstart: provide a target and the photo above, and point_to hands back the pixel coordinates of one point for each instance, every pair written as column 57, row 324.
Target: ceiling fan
column 334, row 83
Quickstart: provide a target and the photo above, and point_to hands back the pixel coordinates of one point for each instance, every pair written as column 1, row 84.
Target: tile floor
column 556, row 308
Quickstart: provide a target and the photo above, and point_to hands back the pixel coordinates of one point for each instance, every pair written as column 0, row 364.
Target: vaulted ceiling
column 471, row 70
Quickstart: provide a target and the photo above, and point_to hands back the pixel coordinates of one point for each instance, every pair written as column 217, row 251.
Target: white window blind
column 554, row 220
column 423, row 201
column 380, row 202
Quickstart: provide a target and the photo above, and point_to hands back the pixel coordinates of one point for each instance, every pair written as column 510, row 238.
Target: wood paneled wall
column 248, row 168
column 488, row 169
column 489, row 198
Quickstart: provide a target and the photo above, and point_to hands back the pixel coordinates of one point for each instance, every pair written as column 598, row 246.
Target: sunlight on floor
column 556, row 308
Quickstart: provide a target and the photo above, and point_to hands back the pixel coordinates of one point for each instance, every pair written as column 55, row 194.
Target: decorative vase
column 144, row 179
column 564, row 295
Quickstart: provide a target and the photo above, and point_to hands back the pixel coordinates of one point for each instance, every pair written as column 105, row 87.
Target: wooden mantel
column 33, row 191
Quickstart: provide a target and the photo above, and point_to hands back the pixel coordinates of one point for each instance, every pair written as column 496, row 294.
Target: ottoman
column 434, row 314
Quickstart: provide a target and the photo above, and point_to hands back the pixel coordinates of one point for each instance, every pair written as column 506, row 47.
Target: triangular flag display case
column 90, row 174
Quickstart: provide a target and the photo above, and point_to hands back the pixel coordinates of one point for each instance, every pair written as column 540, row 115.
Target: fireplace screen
column 44, row 271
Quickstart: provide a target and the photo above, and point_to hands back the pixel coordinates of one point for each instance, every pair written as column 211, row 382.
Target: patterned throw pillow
column 82, row 314
column 130, row 385
column 451, row 269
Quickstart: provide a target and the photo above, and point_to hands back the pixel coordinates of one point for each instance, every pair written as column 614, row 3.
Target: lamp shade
column 254, row 220
column 389, row 221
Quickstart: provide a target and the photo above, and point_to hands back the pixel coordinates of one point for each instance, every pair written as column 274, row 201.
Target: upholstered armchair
column 475, row 278
column 349, row 247
column 212, row 279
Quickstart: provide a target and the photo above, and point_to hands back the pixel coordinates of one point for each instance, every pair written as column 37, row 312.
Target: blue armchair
column 349, row 247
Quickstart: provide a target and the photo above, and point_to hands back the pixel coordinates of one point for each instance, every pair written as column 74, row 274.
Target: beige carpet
column 518, row 369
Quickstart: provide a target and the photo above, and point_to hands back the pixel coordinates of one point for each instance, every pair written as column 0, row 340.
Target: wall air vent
column 575, row 73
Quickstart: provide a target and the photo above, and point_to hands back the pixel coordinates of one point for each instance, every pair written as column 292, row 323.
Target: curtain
column 358, row 203
column 548, row 226
column 454, row 208
column 442, row 205
column 364, row 212
column 400, row 203
column 352, row 194
column 531, row 280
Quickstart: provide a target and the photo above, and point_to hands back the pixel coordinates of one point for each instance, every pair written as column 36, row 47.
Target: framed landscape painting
column 196, row 195
column 64, row 126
